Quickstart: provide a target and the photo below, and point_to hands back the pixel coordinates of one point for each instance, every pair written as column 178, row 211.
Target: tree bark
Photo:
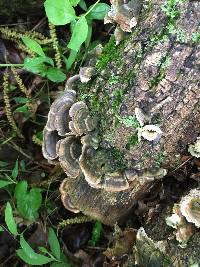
column 156, row 71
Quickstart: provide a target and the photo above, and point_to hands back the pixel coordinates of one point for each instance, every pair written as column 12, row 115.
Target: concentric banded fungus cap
column 65, row 197
column 58, row 117
column 81, row 122
column 93, row 164
column 115, row 182
column 50, row 139
column 190, row 207
column 68, row 151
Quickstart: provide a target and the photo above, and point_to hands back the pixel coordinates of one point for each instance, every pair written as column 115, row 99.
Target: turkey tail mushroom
column 58, row 117
column 68, row 151
column 81, row 122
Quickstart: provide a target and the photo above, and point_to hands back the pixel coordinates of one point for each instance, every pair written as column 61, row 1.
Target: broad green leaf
column 29, row 255
column 9, row 219
column 55, row 75
column 21, row 190
column 28, row 203
column 21, row 100
column 40, row 260
column 74, row 2
column 59, row 12
column 82, row 4
column 33, row 45
column 28, row 206
column 79, row 34
column 54, row 243
column 4, row 183
column 99, row 11
column 35, row 65
column 15, row 171
column 1, row 229
column 71, row 59
column 23, row 109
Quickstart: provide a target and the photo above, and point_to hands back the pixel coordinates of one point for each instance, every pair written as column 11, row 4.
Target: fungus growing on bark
column 150, row 133
column 50, row 139
column 124, row 14
column 58, row 117
column 81, row 121
column 68, row 151
column 190, row 207
column 65, row 197
column 86, row 74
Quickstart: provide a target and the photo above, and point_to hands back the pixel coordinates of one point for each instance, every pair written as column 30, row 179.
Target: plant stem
column 91, row 8
column 11, row 65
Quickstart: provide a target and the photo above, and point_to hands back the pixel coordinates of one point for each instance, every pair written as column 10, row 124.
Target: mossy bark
column 155, row 69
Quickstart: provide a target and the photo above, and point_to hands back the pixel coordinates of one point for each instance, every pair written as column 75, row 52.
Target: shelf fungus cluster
column 92, row 186
column 125, row 14
column 186, row 216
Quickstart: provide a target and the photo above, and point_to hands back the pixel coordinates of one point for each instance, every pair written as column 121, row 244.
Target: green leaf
column 96, row 233
column 79, row 34
column 9, row 219
column 99, row 11
column 89, row 35
column 74, row 2
column 1, row 229
column 23, row 165
column 23, row 109
column 71, row 59
column 43, row 249
column 15, row 171
column 28, row 255
column 55, row 75
column 82, row 5
column 21, row 190
column 35, row 65
column 59, row 12
column 28, row 203
column 40, row 260
column 54, row 243
column 33, row 45
column 21, row 100
column 4, row 183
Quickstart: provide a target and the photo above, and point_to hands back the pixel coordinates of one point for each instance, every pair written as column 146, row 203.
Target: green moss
column 117, row 159
column 132, row 141
column 110, row 52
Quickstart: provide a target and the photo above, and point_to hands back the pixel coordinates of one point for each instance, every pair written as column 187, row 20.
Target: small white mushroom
column 150, row 132
column 86, row 74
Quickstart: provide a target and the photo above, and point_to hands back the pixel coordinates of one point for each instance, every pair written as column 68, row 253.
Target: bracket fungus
column 93, row 185
column 124, row 14
column 81, row 122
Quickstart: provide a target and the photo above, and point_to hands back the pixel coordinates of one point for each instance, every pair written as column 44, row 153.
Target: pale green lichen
column 194, row 149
